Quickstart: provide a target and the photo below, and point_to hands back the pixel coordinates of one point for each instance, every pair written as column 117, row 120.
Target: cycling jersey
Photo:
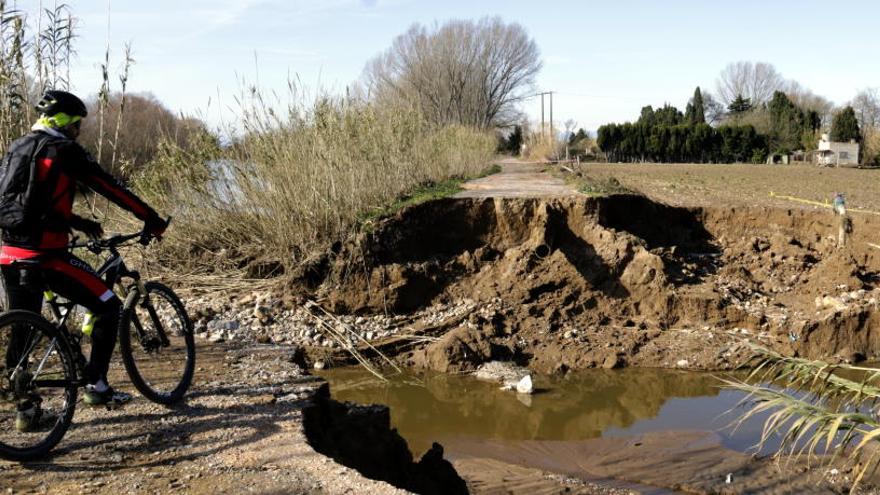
column 61, row 164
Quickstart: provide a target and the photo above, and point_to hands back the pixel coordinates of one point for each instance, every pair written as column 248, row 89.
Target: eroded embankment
column 576, row 283
column 361, row 437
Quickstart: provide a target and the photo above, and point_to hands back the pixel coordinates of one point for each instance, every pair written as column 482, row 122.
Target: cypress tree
column 696, row 113
column 787, row 123
column 647, row 116
column 845, row 126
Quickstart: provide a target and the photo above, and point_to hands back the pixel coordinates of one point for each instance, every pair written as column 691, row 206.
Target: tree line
column 669, row 135
column 748, row 131
column 698, row 143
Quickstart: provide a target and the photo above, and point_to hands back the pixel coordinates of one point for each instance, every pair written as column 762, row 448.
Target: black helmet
column 54, row 102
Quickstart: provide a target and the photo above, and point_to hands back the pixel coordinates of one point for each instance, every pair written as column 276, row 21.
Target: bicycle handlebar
column 98, row 245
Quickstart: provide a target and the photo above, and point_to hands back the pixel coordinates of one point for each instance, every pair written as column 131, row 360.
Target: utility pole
column 542, row 115
column 543, row 126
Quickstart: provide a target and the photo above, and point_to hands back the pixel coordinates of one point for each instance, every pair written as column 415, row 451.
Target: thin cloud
column 224, row 13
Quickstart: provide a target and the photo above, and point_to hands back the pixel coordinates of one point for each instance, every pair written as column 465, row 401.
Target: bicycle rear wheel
column 156, row 343
column 38, row 385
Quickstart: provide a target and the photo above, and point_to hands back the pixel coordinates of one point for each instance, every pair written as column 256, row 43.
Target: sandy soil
column 655, row 463
column 240, row 431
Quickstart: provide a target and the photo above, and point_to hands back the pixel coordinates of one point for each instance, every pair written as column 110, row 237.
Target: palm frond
column 811, row 408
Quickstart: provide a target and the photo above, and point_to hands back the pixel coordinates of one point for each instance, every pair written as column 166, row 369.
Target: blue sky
column 605, row 59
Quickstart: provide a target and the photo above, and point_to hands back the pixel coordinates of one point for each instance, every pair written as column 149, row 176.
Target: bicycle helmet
column 61, row 108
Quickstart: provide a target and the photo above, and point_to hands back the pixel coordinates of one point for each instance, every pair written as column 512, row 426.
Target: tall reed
column 302, row 173
column 815, row 406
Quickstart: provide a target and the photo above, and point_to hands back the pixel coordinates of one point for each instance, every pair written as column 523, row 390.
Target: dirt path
column 240, row 431
column 517, row 180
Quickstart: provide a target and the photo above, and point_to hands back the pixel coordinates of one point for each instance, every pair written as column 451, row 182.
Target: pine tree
column 695, row 113
column 647, row 116
column 844, row 126
column 740, row 105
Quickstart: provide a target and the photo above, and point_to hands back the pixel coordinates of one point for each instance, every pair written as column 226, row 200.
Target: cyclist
column 59, row 164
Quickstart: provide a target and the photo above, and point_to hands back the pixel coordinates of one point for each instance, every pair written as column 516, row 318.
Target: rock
column 525, row 386
column 319, row 365
column 200, row 327
column 682, row 363
column 229, row 325
column 833, row 302
column 611, row 362
column 462, row 349
column 501, row 372
column 216, row 338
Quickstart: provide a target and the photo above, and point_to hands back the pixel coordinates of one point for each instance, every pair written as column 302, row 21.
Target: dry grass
column 301, row 175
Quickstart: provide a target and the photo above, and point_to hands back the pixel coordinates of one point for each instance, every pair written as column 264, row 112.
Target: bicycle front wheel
column 156, row 343
column 38, row 386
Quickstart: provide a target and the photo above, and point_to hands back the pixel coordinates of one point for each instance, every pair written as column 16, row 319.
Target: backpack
column 17, row 178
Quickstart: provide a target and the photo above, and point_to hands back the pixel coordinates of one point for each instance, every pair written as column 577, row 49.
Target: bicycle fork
column 139, row 291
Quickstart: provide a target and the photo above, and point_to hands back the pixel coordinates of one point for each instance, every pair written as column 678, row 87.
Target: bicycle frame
column 113, row 271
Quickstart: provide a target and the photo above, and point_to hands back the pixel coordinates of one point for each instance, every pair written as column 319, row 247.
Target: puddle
column 452, row 409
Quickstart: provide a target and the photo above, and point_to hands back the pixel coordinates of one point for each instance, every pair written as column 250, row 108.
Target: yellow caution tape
column 816, row 203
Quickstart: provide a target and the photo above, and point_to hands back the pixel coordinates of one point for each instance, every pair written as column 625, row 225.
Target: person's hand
column 88, row 227
column 155, row 227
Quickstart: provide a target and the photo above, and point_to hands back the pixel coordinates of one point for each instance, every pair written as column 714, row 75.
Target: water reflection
column 586, row 405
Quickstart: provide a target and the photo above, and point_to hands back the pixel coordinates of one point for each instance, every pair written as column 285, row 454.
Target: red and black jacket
column 61, row 164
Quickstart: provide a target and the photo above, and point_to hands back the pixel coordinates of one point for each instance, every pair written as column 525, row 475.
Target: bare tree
column 714, row 111
column 465, row 72
column 755, row 81
column 807, row 100
column 143, row 126
column 867, row 107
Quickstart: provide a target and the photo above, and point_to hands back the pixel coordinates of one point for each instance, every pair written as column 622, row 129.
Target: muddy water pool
column 457, row 410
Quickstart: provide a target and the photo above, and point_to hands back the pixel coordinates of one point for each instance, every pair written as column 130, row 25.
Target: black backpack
column 17, row 178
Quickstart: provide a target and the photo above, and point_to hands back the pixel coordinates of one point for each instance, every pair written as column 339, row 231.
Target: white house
column 835, row 154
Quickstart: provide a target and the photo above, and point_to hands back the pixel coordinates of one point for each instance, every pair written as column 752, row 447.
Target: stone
column 682, row 363
column 319, row 365
column 502, row 372
column 525, row 386
column 611, row 362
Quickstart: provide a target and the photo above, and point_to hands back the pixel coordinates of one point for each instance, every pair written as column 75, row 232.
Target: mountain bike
column 155, row 342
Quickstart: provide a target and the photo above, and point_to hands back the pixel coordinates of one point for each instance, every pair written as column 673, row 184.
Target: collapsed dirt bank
column 573, row 283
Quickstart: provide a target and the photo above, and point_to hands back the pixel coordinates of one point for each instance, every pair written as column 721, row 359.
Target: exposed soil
column 251, row 424
column 572, row 283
